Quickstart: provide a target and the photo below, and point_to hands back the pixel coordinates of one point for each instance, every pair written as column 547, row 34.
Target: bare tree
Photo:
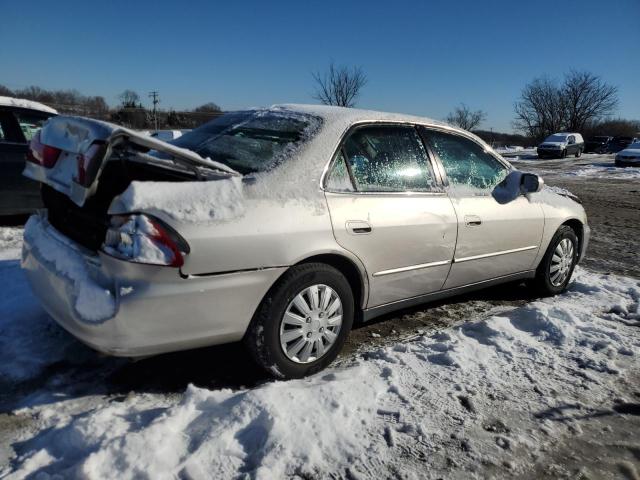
column 466, row 119
column 209, row 107
column 545, row 107
column 587, row 98
column 340, row 85
column 540, row 110
column 129, row 99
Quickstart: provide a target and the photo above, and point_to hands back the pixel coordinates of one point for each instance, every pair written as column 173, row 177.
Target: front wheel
column 563, row 154
column 557, row 265
column 303, row 322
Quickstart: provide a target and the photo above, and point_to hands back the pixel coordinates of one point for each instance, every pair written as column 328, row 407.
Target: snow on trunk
column 193, row 202
column 488, row 392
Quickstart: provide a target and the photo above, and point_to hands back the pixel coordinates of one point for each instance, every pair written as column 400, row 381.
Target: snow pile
column 486, row 393
column 10, row 242
column 195, row 202
column 93, row 303
column 607, row 171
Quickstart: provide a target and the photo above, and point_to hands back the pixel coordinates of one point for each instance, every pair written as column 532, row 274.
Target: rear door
column 494, row 240
column 388, row 207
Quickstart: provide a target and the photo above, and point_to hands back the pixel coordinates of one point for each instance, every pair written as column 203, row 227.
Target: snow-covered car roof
column 349, row 116
column 23, row 103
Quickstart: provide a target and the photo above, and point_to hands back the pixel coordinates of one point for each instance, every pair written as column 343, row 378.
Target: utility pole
column 156, row 100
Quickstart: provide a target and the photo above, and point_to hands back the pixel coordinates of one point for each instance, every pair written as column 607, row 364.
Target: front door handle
column 472, row 220
column 358, row 227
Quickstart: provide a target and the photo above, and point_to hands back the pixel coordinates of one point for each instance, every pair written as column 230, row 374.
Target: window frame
column 424, row 131
column 438, row 184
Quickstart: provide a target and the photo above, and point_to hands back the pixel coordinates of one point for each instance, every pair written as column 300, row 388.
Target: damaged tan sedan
column 279, row 227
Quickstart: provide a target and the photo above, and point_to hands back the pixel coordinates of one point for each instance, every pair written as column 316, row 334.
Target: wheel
column 563, row 154
column 555, row 269
column 578, row 153
column 303, row 321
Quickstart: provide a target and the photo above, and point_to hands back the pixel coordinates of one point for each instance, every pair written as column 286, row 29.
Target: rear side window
column 465, row 161
column 339, row 179
column 388, row 159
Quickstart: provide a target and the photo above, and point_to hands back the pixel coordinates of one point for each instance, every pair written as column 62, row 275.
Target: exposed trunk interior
column 87, row 225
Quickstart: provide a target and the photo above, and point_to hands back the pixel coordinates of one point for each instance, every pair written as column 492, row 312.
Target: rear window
column 252, row 141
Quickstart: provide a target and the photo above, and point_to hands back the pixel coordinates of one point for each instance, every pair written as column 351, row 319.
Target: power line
column 155, row 96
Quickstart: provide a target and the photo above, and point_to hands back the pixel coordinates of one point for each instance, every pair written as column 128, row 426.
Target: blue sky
column 421, row 57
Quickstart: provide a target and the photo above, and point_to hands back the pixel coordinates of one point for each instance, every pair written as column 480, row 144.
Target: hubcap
column 311, row 323
column 561, row 262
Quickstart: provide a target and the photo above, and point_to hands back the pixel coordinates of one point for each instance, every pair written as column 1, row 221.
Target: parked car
column 630, row 156
column 599, row 144
column 280, row 227
column 620, row 143
column 19, row 121
column 168, row 135
column 559, row 145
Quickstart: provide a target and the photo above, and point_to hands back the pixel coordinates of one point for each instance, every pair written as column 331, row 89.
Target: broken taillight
column 42, row 154
column 144, row 239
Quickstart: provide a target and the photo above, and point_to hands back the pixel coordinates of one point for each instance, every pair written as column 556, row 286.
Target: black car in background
column 19, row 122
column 599, row 144
column 619, row 143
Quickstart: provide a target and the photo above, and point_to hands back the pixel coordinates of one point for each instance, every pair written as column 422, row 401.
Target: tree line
column 582, row 102
column 130, row 112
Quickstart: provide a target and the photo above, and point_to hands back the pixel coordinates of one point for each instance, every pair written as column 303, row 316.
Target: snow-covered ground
column 486, row 396
column 589, row 165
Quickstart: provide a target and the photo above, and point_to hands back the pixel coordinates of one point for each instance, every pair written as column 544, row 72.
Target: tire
column 578, row 153
column 544, row 281
column 563, row 154
column 268, row 327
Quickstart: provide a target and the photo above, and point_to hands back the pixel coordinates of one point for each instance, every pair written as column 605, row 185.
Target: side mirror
column 531, row 183
column 516, row 184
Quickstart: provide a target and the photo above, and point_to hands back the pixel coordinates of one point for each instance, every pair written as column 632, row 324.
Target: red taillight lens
column 88, row 163
column 144, row 239
column 42, row 154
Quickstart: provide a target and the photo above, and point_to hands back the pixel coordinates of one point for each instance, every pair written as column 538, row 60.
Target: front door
column 494, row 240
column 389, row 210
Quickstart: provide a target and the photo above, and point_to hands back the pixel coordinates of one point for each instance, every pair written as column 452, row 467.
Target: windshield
column 251, row 141
column 556, row 138
column 634, row 146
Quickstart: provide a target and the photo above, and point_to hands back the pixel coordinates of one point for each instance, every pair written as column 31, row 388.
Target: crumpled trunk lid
column 86, row 145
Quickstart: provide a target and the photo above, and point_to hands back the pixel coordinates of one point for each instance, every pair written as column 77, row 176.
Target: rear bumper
column 133, row 310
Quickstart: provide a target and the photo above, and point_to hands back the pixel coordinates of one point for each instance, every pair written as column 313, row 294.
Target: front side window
column 252, row 141
column 388, row 159
column 465, row 161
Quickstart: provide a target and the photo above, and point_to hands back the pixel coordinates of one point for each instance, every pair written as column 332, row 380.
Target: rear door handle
column 358, row 227
column 472, row 220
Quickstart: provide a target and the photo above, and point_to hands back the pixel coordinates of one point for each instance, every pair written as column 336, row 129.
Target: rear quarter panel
column 271, row 233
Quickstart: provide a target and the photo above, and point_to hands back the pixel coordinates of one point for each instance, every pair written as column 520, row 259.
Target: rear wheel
column 303, row 322
column 578, row 153
column 557, row 265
